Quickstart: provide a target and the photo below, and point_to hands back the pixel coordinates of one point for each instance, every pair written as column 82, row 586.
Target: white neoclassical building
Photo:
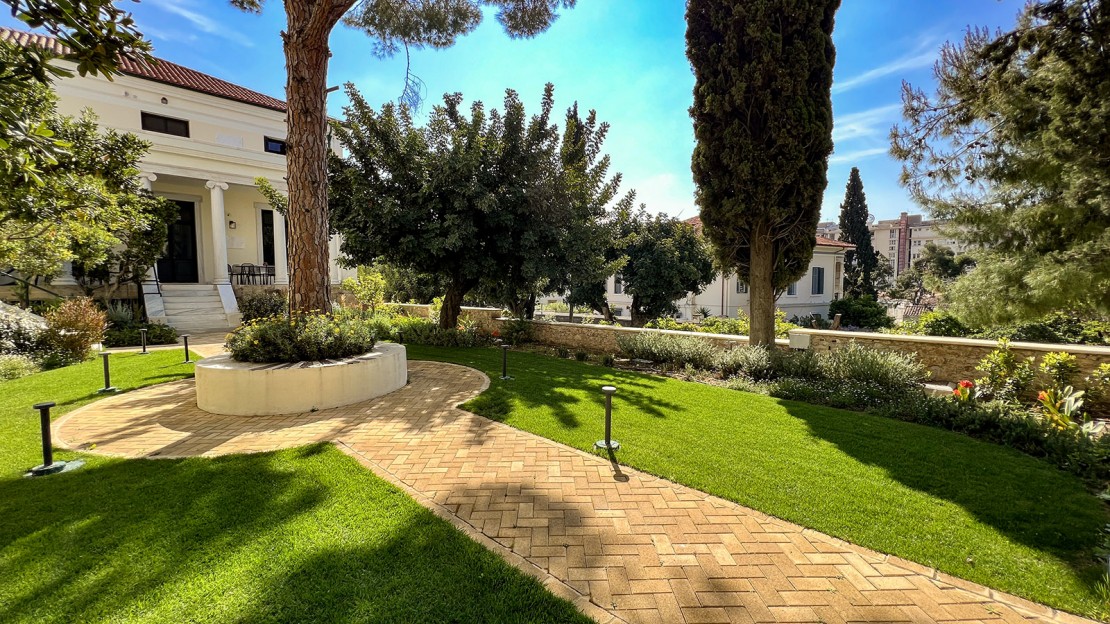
column 210, row 140
column 822, row 284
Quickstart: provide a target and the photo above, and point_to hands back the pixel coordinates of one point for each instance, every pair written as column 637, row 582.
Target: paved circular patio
column 621, row 544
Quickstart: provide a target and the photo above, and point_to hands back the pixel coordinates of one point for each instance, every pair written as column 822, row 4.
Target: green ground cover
column 295, row 536
column 976, row 510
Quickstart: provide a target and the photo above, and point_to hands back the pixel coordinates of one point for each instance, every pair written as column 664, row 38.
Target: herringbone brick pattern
column 624, row 545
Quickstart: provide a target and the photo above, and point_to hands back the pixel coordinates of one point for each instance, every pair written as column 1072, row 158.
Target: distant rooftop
column 162, row 71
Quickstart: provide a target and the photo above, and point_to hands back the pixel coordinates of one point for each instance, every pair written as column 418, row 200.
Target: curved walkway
column 621, row 544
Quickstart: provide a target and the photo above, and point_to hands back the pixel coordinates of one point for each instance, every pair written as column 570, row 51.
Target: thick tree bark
column 761, row 289
column 452, row 304
column 306, row 59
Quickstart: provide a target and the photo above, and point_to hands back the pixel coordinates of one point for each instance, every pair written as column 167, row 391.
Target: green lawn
column 976, row 510
column 296, row 536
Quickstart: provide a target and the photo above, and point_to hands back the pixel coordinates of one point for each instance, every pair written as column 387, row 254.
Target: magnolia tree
column 394, row 25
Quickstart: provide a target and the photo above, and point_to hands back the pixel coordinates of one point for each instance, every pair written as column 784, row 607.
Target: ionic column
column 219, row 231
column 147, row 180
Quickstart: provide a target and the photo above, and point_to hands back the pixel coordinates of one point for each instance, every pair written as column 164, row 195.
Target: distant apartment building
column 900, row 241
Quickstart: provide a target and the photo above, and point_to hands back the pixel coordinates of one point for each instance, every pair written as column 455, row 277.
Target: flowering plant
column 964, row 391
column 1061, row 408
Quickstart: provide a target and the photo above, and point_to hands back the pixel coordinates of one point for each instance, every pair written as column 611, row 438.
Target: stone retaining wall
column 602, row 339
column 948, row 359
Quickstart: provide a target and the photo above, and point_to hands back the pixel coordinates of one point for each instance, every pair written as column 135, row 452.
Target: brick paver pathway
column 620, row 543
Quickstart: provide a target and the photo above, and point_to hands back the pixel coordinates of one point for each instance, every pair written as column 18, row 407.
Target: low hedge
column 301, row 338
column 156, row 334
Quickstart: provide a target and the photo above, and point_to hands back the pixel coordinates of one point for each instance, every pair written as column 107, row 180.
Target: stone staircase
column 194, row 308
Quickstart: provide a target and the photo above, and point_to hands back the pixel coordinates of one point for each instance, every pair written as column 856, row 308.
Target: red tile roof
column 821, row 240
column 162, row 71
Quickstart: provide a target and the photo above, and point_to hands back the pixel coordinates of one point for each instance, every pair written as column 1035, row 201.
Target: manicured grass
column 976, row 510
column 300, row 535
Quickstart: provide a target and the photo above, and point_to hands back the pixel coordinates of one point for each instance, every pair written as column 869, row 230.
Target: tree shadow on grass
column 1029, row 501
column 552, row 383
column 100, row 542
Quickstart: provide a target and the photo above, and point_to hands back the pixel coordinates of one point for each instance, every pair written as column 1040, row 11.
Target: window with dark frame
column 818, row 280
column 741, row 287
column 618, row 284
column 792, row 289
column 274, row 146
column 165, row 125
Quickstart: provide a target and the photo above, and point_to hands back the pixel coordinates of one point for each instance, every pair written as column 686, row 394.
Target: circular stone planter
column 225, row 386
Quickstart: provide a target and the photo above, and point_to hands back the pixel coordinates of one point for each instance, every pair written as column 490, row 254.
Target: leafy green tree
column 96, row 35
column 934, row 270
column 1012, row 150
column 394, row 25
column 475, row 200
column 585, row 257
column 859, row 263
column 664, row 260
column 763, row 123
column 403, row 285
column 863, row 311
column 86, row 206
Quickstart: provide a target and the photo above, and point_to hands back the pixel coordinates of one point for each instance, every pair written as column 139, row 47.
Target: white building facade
column 210, row 141
column 822, row 284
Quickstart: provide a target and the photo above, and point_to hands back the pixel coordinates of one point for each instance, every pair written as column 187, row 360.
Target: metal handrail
column 29, row 284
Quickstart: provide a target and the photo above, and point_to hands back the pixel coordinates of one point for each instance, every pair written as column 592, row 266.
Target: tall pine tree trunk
column 761, row 289
column 306, row 59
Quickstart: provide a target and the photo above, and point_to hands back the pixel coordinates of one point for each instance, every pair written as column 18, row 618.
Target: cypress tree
column 763, row 122
column 859, row 263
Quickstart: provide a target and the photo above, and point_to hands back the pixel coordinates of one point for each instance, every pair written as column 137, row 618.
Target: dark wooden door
column 179, row 263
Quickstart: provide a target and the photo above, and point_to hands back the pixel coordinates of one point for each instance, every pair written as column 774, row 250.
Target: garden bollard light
column 505, row 362
column 185, row 337
column 608, row 443
column 49, row 466
column 107, row 375
column 142, row 334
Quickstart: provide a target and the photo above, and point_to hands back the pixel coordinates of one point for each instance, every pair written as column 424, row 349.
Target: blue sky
column 624, row 59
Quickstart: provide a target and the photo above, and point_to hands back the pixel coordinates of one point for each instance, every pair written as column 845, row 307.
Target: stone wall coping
column 963, row 342
column 225, row 362
column 636, row 330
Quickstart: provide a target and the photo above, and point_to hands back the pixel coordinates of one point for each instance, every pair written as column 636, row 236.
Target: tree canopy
column 763, row 122
column 394, row 25
column 664, row 260
column 1012, row 150
column 85, row 205
column 486, row 200
column 860, row 264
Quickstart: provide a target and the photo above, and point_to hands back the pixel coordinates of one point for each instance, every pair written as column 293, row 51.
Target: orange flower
column 966, row 384
column 956, row 391
column 1042, row 396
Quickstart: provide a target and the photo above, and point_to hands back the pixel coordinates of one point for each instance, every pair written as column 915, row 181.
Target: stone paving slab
column 622, row 544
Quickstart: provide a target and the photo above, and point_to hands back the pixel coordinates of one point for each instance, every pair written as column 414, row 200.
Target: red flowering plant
column 1062, row 408
column 964, row 392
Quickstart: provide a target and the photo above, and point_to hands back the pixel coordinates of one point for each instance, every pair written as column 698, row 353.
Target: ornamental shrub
column 1060, row 367
column 157, row 334
column 1005, row 376
column 71, row 331
column 755, row 363
column 863, row 311
column 300, row 337
column 14, row 366
column 674, row 351
column 895, row 372
column 263, row 304
column 20, row 331
column 517, row 332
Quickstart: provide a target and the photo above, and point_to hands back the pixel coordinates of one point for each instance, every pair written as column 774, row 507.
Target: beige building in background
column 210, row 140
column 900, row 241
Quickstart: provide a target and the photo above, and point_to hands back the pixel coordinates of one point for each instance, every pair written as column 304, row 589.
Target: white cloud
column 924, row 56
column 864, row 123
column 204, row 23
column 851, row 157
